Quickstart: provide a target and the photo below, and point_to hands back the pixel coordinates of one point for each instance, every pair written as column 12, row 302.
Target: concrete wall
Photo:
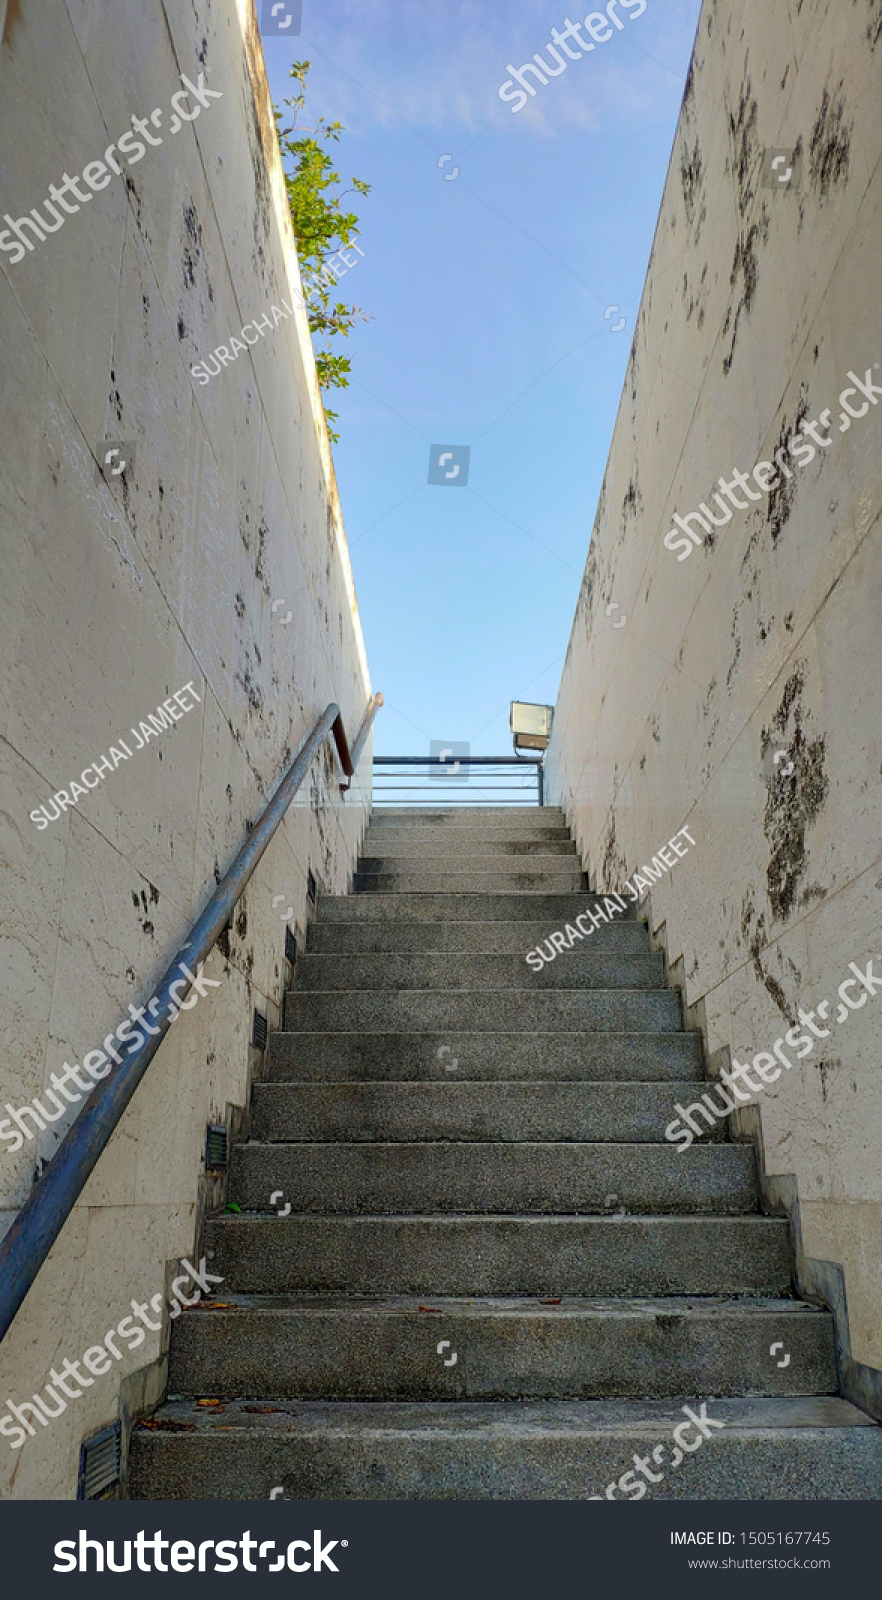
column 114, row 597
column 766, row 638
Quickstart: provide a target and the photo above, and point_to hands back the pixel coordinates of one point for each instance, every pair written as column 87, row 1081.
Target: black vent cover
column 99, row 1465
column 216, row 1147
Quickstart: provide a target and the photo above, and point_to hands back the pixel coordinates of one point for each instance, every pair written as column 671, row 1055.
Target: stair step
column 580, row 968
column 544, row 1256
column 623, row 937
column 557, row 909
column 786, row 1449
column 502, row 862
column 530, row 878
column 543, row 1057
column 387, row 1349
column 449, row 1109
column 421, row 845
column 434, row 1010
column 470, row 1177
column 518, row 820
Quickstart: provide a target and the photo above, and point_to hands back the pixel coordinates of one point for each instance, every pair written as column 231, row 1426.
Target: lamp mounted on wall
column 531, row 731
column 530, row 726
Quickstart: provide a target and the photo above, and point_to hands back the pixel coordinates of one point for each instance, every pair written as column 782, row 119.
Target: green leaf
column 321, row 227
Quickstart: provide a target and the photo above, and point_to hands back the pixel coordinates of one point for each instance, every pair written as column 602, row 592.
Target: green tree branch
column 322, row 228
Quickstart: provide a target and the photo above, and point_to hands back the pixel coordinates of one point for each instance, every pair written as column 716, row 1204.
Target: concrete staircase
column 496, row 1279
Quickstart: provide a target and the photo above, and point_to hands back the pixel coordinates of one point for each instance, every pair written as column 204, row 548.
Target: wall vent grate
column 100, row 1465
column 216, row 1147
column 260, row 1031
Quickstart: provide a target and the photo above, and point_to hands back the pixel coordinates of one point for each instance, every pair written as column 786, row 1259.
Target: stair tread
column 640, row 1417
column 618, row 1148
column 565, row 1056
column 480, row 1177
column 455, row 1219
column 475, row 860
column 537, row 1086
column 449, row 1108
column 415, row 972
column 696, row 1307
column 619, row 1010
column 338, row 1347
column 461, row 906
column 402, row 938
column 477, row 847
column 509, row 1253
column 421, row 880
column 502, row 989
column 795, row 1448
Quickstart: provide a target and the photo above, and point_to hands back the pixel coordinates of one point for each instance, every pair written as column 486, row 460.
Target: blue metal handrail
column 50, row 1202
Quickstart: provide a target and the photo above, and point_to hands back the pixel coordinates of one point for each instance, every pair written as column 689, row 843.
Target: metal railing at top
column 51, row 1200
column 427, row 781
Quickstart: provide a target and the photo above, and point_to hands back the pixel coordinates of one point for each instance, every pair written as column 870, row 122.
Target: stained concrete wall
column 766, row 638
column 114, row 597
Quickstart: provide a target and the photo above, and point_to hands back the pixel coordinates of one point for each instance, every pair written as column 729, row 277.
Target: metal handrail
column 51, row 1200
column 348, row 761
column 461, row 761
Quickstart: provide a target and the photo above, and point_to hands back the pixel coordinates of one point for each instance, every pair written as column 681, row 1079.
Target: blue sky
column 487, row 292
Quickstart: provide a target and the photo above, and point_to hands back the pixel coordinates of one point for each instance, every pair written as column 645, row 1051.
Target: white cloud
column 440, row 66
